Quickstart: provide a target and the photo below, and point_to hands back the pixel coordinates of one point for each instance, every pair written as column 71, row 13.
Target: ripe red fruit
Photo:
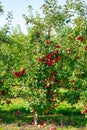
column 49, row 56
column 55, row 52
column 38, row 33
column 41, row 59
column 43, row 124
column 69, row 50
column 84, row 111
column 21, row 72
column 80, row 38
column 2, row 93
column 50, row 92
column 56, row 59
column 57, row 46
column 49, row 62
column 58, row 81
column 8, row 102
column 15, row 72
column 48, row 41
column 47, row 86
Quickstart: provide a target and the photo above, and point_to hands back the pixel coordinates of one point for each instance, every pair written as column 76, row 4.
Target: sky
column 18, row 8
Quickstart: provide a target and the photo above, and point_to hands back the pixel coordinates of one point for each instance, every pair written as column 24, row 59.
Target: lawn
column 16, row 117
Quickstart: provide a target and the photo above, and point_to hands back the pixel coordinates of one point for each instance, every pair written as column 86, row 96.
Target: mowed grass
column 65, row 118
column 28, row 127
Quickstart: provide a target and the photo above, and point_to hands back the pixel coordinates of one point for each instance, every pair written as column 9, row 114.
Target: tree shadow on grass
column 24, row 117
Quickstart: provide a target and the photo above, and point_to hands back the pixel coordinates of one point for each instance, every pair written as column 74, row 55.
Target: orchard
column 50, row 58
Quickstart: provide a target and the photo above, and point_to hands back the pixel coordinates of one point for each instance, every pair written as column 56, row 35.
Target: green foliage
column 51, row 57
column 1, row 8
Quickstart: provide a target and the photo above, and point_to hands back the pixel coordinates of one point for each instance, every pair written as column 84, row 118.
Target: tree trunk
column 35, row 118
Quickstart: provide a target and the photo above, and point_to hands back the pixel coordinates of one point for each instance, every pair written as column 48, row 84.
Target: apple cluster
column 19, row 74
column 80, row 38
column 85, row 110
column 49, row 58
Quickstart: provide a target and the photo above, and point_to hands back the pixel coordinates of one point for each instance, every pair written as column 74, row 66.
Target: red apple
column 56, row 59
column 8, row 102
column 69, row 50
column 49, row 62
column 41, row 59
column 38, row 33
column 49, row 56
column 47, row 86
column 50, row 92
column 57, row 46
column 22, row 72
column 17, row 74
column 2, row 92
column 48, row 42
column 80, row 38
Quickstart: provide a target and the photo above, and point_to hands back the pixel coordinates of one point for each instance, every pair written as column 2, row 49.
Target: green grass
column 66, row 117
column 30, row 127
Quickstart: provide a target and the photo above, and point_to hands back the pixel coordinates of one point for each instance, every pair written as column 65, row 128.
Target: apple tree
column 50, row 58
column 58, row 39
